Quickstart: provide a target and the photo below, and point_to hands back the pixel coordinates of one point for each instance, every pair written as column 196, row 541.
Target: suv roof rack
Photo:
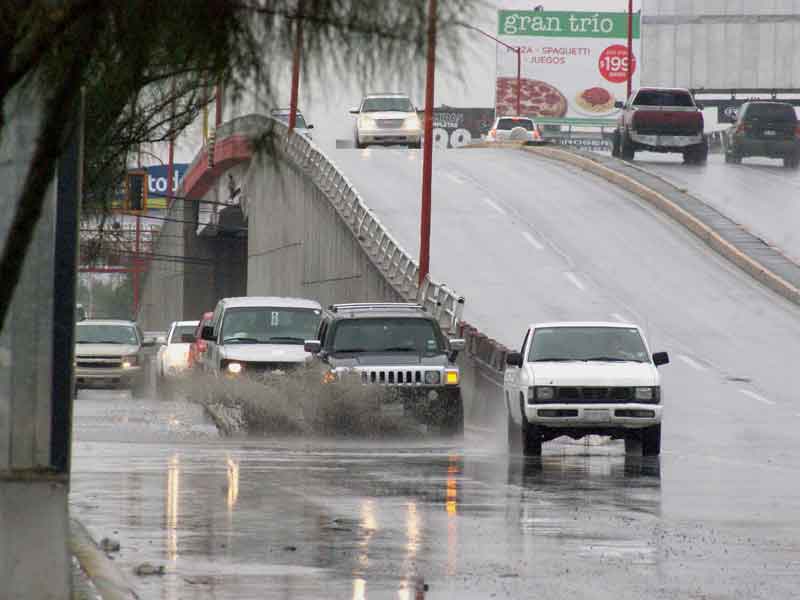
column 366, row 306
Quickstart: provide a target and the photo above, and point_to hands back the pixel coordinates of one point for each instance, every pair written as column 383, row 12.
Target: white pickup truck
column 577, row 379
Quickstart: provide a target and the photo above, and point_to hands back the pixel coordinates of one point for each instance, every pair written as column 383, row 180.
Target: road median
column 729, row 239
column 109, row 581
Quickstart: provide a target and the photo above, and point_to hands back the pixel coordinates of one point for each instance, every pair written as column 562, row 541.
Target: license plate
column 594, row 415
column 394, row 409
column 770, row 132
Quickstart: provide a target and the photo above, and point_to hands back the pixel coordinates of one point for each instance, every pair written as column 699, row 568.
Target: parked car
column 505, row 129
column 661, row 120
column 768, row 129
column 110, row 354
column 399, row 346
column 577, row 379
column 255, row 335
column 197, row 349
column 172, row 359
column 387, row 119
column 300, row 126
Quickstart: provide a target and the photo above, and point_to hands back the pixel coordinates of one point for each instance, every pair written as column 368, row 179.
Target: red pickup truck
column 661, row 120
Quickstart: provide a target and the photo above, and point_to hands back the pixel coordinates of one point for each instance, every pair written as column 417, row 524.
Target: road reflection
column 173, row 505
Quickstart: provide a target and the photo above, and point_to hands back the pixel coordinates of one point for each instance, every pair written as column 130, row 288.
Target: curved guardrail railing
column 391, row 259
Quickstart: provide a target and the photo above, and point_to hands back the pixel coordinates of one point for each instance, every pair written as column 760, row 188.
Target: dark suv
column 400, row 346
column 765, row 129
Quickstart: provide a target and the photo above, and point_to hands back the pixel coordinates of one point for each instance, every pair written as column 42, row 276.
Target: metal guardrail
column 391, row 259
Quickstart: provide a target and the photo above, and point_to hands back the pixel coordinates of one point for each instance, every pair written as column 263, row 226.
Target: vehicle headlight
column 433, row 377
column 411, row 122
column 234, row 368
column 545, row 392
column 129, row 361
column 647, row 394
column 451, row 377
column 366, row 122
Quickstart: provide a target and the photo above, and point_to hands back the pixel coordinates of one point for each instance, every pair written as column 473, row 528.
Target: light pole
column 518, row 50
column 427, row 150
column 630, row 47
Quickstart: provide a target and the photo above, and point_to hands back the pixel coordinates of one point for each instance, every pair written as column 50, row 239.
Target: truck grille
column 262, row 368
column 99, row 362
column 390, row 123
column 394, row 376
column 591, row 395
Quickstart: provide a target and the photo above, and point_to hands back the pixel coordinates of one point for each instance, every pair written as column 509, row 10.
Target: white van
column 256, row 335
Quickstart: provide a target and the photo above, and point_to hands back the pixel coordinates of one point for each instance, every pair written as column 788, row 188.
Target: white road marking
column 532, row 240
column 757, row 397
column 454, row 178
column 691, row 362
column 573, row 279
column 479, row 429
column 494, row 206
column 619, row 317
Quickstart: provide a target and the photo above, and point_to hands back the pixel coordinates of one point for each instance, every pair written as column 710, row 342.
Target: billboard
column 574, row 64
column 455, row 127
column 157, row 185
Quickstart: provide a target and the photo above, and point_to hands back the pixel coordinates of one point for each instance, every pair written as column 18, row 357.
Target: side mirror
column 148, row 342
column 355, row 110
column 312, row 346
column 310, row 126
column 660, row 358
column 187, row 338
column 619, row 104
column 208, row 333
column 514, row 359
column 699, row 106
column 457, row 345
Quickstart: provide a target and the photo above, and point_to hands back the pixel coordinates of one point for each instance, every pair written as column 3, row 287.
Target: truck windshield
column 387, row 335
column 663, row 98
column 180, row 331
column 603, row 344
column 388, row 104
column 106, row 334
column 269, row 325
column 509, row 123
column 771, row 112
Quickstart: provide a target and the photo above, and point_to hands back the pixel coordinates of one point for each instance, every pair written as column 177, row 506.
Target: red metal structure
column 427, row 149
column 298, row 46
column 630, row 47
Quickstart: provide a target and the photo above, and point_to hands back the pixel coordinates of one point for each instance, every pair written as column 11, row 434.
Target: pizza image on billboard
column 537, row 98
column 595, row 100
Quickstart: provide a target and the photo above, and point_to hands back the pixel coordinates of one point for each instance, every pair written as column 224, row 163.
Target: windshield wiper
column 609, row 359
column 552, row 359
column 103, row 342
column 241, row 340
column 279, row 338
column 399, row 349
column 338, row 351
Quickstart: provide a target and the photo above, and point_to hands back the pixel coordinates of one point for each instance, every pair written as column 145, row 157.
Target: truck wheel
column 651, row 440
column 615, row 151
column 452, row 420
column 732, row 158
column 514, row 438
column 531, row 437
column 626, row 151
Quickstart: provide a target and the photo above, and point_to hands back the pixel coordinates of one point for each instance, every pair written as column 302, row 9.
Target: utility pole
column 298, row 48
column 518, row 51
column 630, row 47
column 427, row 149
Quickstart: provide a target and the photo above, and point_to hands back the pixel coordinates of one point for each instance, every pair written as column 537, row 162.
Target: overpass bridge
column 523, row 238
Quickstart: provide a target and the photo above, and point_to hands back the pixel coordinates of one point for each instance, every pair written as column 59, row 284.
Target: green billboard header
column 566, row 24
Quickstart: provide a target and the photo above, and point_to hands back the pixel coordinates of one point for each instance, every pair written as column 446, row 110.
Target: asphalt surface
column 759, row 193
column 525, row 240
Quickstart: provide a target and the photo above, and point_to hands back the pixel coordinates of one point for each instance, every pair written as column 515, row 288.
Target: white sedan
column 577, row 379
column 172, row 358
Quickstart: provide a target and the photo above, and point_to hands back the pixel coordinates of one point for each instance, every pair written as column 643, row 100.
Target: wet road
column 294, row 518
column 759, row 194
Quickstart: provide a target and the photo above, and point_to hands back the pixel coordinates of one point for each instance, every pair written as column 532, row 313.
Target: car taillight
column 492, row 133
column 536, row 134
column 202, row 346
column 797, row 131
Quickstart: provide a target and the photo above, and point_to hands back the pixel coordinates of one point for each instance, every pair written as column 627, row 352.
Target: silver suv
column 387, row 119
column 399, row 346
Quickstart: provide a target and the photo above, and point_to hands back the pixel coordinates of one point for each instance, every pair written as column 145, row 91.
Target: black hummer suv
column 400, row 346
